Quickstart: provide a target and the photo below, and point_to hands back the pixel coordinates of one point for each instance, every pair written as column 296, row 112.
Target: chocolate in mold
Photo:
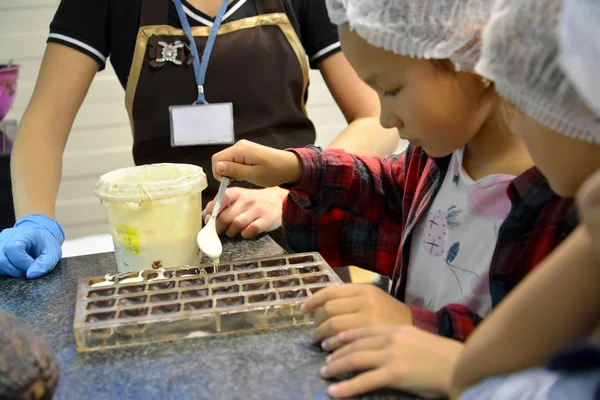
column 166, row 309
column 96, row 293
column 286, row 282
column 246, row 276
column 293, row 294
column 161, row 285
column 189, row 271
column 132, row 289
column 250, row 287
column 198, row 305
column 310, row 269
column 279, row 272
column 226, row 289
column 169, row 296
column 191, row 282
column 273, row 263
column 221, row 279
column 133, row 312
column 309, row 280
column 230, row 301
column 245, row 266
column 99, row 304
column 134, row 300
column 103, row 316
column 259, row 298
column 155, row 275
column 301, row 260
column 190, row 294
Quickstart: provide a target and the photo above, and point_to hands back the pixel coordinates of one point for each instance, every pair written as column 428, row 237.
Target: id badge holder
column 202, row 124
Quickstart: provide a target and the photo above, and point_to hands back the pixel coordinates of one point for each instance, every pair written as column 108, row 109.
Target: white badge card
column 202, row 124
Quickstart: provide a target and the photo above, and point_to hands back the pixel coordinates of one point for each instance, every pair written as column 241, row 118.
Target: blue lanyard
column 200, row 68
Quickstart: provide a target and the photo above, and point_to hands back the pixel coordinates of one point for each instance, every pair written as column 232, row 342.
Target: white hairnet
column 579, row 35
column 430, row 29
column 520, row 55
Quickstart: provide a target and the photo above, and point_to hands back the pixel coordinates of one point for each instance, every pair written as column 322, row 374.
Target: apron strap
column 154, row 12
column 270, row 6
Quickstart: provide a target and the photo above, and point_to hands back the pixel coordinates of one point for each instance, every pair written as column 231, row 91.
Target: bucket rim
column 111, row 188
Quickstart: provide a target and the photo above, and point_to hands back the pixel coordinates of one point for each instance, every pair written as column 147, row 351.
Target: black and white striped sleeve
column 319, row 36
column 83, row 25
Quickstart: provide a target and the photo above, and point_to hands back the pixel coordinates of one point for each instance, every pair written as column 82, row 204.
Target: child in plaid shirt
column 553, row 312
column 456, row 221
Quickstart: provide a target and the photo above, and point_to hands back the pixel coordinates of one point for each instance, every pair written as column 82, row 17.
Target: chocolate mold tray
column 196, row 301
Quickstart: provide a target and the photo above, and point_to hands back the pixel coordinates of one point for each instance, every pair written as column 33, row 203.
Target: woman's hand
column 257, row 164
column 249, row 212
column 402, row 358
column 352, row 306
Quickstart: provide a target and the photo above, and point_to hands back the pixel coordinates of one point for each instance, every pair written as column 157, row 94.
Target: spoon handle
column 220, row 194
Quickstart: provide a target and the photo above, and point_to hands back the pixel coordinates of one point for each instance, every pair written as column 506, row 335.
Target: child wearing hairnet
column 543, row 55
column 456, row 221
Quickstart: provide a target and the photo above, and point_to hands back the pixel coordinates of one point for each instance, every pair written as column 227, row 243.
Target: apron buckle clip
column 170, row 52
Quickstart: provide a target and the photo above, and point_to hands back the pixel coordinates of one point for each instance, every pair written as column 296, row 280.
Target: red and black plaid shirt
column 362, row 211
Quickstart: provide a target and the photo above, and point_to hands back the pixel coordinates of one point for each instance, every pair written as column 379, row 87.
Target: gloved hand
column 31, row 248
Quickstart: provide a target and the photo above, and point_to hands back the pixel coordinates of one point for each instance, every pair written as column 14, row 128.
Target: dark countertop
column 273, row 364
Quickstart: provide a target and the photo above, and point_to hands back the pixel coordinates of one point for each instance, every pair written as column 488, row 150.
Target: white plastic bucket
column 155, row 213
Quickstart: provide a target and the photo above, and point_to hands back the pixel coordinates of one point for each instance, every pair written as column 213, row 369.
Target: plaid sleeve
column 347, row 208
column 454, row 321
column 364, row 187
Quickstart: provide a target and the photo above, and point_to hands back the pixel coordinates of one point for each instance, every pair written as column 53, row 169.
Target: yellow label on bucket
column 130, row 237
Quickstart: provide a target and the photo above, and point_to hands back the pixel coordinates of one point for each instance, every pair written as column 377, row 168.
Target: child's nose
column 389, row 120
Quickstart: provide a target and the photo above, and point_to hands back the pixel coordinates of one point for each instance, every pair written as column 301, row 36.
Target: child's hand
column 402, row 358
column 352, row 306
column 257, row 164
column 588, row 200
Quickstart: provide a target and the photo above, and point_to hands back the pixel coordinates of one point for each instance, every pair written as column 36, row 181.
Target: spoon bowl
column 208, row 239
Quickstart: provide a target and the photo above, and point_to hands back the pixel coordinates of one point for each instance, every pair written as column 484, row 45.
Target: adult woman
column 258, row 63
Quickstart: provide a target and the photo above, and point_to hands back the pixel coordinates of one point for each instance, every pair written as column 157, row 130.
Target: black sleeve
column 319, row 36
column 84, row 26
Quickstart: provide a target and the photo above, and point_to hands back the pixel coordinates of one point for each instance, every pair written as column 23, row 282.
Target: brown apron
column 257, row 63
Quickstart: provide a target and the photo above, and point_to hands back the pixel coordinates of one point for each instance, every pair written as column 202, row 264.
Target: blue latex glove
column 31, row 248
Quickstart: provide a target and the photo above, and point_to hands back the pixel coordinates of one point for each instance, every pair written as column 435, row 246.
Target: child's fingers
column 354, row 362
column 335, row 325
column 237, row 171
column 353, row 335
column 372, row 343
column 361, row 384
column 346, row 305
column 323, row 296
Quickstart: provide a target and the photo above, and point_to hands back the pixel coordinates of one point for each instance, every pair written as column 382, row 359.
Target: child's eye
column 391, row 93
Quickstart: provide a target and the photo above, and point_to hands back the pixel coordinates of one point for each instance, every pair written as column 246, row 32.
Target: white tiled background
column 101, row 139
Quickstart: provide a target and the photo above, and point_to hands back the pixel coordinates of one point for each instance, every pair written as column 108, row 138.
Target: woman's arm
column 360, row 105
column 36, row 163
column 555, row 305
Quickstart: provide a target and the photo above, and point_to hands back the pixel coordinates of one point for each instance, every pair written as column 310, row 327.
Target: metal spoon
column 208, row 240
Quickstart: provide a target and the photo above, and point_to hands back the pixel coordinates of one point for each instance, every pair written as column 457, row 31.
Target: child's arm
column 556, row 304
column 369, row 187
column 348, row 208
column 364, row 187
column 343, row 239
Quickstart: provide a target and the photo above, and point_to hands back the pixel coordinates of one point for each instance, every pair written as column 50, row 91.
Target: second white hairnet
column 579, row 34
column 520, row 54
column 430, row 29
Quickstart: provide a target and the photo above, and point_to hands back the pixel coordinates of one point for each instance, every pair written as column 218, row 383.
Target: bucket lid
column 150, row 182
